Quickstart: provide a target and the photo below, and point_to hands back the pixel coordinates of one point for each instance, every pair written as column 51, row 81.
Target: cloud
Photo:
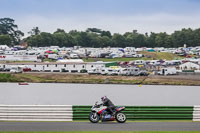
column 161, row 22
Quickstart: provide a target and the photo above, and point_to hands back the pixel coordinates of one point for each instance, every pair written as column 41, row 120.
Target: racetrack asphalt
column 106, row 126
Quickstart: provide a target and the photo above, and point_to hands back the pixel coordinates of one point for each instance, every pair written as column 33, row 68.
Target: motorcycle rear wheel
column 120, row 117
column 94, row 117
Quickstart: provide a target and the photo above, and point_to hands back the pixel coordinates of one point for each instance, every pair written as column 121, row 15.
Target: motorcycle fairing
column 119, row 108
column 101, row 111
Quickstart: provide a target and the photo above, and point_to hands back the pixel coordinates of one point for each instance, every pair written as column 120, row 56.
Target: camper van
column 130, row 72
column 74, row 56
column 167, row 71
column 111, row 71
column 94, row 71
column 154, row 62
column 139, row 62
column 16, row 69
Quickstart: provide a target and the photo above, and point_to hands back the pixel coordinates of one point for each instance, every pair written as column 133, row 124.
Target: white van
column 16, row 69
column 167, row 71
column 140, row 62
column 110, row 71
column 94, row 71
column 74, row 56
column 154, row 62
column 130, row 71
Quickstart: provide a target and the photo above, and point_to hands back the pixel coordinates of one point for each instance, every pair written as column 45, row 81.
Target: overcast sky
column 117, row 16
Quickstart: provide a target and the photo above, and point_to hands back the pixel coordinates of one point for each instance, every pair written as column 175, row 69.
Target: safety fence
column 73, row 113
column 196, row 113
column 36, row 113
column 143, row 112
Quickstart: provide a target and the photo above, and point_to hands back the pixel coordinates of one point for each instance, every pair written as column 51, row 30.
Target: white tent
column 189, row 66
column 4, row 47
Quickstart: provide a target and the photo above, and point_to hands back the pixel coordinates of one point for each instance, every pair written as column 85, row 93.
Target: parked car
column 83, row 71
column 94, row 71
column 26, row 69
column 6, row 69
column 143, row 73
column 112, row 71
column 16, row 69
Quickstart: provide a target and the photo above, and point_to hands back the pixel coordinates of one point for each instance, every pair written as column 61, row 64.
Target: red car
column 27, row 69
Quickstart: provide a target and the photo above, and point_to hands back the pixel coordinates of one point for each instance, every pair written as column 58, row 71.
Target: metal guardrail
column 70, row 113
column 144, row 112
column 196, row 113
column 36, row 113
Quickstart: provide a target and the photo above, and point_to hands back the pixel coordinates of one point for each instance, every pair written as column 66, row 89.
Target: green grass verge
column 113, row 60
column 7, row 77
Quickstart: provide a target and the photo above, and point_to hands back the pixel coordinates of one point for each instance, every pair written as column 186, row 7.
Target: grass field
column 100, row 79
column 147, row 56
column 160, row 55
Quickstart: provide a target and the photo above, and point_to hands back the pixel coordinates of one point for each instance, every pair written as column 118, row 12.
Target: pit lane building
column 55, row 66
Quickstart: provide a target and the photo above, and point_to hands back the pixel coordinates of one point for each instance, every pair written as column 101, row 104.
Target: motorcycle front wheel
column 94, row 117
column 120, row 117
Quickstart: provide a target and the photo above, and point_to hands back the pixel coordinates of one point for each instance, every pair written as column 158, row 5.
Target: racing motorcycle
column 99, row 112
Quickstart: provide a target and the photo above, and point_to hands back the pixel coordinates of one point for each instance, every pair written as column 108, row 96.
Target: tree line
column 94, row 37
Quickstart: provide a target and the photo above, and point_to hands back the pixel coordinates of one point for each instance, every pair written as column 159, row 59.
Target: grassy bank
column 99, row 79
column 6, row 77
column 147, row 56
column 160, row 55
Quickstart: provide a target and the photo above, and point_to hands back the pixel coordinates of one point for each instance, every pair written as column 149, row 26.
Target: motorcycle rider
column 107, row 102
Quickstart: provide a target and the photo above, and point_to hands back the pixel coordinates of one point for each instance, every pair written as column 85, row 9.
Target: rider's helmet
column 103, row 98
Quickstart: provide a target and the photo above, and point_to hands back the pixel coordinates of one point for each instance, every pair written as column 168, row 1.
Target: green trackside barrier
column 188, row 71
column 112, row 64
column 143, row 112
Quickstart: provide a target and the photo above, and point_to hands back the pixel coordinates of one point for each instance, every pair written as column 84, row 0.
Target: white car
column 16, row 70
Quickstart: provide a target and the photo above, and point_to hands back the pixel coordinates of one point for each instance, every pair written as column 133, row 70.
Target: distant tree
column 7, row 27
column 84, row 39
column 127, row 34
column 106, row 33
column 185, row 36
column 94, row 37
column 150, row 40
column 63, row 39
column 59, row 39
column 106, row 41
column 135, row 39
column 99, row 31
column 41, row 40
column 162, row 40
column 5, row 40
column 60, row 31
column 96, row 30
column 34, row 31
column 196, row 35
column 35, row 41
column 141, row 40
column 118, row 40
column 131, row 39
column 134, row 31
